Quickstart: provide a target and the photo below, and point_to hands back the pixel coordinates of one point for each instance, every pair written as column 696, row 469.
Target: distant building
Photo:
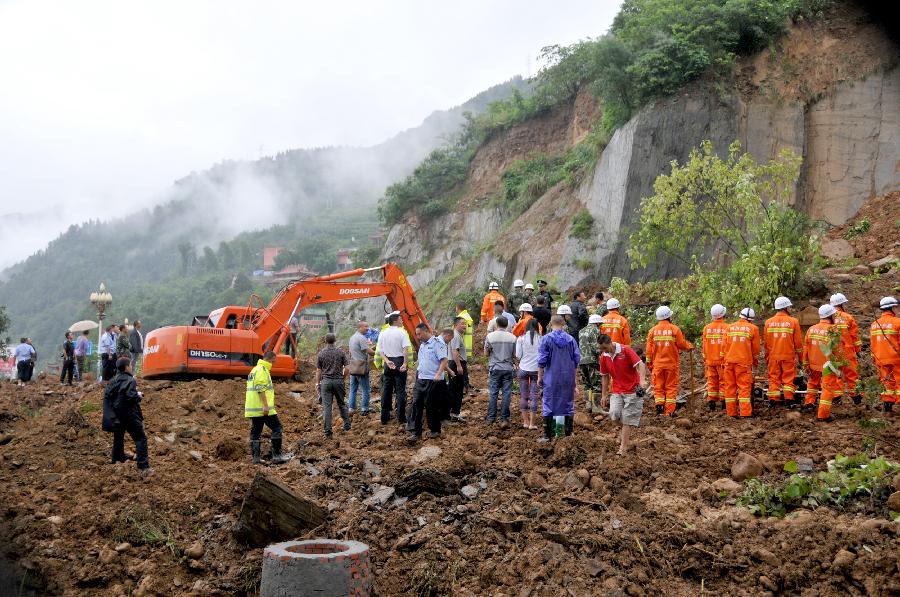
column 287, row 274
column 343, row 260
column 269, row 256
column 313, row 319
column 377, row 239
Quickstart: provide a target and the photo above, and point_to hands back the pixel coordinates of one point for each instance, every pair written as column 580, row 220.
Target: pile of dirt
column 565, row 518
column 874, row 232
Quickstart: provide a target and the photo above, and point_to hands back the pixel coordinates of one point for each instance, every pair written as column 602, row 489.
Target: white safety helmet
column 595, row 319
column 663, row 312
column 837, row 299
column 888, row 302
column 493, row 286
column 826, row 311
column 526, row 307
column 748, row 314
column 612, row 304
column 564, row 310
column 718, row 311
column 783, row 302
column 529, row 287
column 518, row 284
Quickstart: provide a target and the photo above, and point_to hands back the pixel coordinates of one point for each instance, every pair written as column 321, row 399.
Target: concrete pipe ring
column 320, row 567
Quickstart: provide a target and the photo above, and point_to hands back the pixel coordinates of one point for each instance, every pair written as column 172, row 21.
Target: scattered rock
column 572, row 481
column 597, row 485
column 792, row 415
column 884, row 264
column 745, row 466
column 198, row 456
column 470, row 492
column 725, row 484
column 836, row 249
column 425, row 454
column 896, row 482
column 764, row 555
column 860, row 270
column 684, row 423
column 805, row 465
column 108, row 556
column 122, row 547
column 380, row 497
column 893, row 502
column 583, row 420
column 55, row 519
column 371, row 468
column 534, row 481
column 231, row 449
column 195, row 551
column 170, row 437
column 584, row 476
column 843, row 559
column 768, row 584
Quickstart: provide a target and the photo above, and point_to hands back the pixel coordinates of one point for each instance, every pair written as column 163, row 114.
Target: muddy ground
column 570, row 518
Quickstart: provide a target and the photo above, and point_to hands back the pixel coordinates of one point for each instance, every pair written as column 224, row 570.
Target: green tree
column 226, row 256
column 210, row 261
column 730, row 221
column 4, row 328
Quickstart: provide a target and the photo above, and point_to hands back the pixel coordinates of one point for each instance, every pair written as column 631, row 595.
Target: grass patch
column 582, row 225
column 858, row 229
column 88, row 407
column 143, row 526
column 853, row 483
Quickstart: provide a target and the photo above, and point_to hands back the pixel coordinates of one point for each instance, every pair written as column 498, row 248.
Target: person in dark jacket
column 542, row 313
column 579, row 318
column 68, row 364
column 122, row 414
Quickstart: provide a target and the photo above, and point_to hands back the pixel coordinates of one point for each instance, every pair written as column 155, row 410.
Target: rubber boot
column 857, row 399
column 659, row 410
column 255, row 448
column 277, row 456
column 569, row 425
column 548, row 430
column 588, row 400
column 887, row 406
column 711, row 405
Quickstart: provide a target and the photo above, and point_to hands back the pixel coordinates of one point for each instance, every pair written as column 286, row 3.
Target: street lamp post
column 101, row 300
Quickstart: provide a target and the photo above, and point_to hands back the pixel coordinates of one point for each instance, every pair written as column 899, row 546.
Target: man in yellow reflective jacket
column 259, row 407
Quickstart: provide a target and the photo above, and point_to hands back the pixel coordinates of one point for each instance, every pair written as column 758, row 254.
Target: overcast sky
column 104, row 104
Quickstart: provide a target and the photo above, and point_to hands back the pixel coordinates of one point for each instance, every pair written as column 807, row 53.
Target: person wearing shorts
column 625, row 395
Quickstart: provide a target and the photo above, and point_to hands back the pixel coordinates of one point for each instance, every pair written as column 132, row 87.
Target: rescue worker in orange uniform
column 615, row 325
column 741, row 357
column 487, row 305
column 852, row 345
column 714, row 334
column 885, row 342
column 525, row 314
column 817, row 357
column 783, row 342
column 664, row 340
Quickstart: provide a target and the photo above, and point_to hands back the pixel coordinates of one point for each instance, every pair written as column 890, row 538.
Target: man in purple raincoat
column 558, row 359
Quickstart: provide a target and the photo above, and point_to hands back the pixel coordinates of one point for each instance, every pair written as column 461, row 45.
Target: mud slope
column 646, row 525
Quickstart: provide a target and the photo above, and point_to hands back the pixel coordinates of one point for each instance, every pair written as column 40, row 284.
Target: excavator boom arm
column 271, row 324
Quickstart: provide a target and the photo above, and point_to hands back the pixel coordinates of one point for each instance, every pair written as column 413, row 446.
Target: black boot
column 887, row 406
column 857, row 399
column 548, row 429
column 277, row 456
column 711, row 405
column 659, row 410
column 569, row 425
column 255, row 448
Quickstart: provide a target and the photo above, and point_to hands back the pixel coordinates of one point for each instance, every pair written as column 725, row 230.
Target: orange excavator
column 232, row 339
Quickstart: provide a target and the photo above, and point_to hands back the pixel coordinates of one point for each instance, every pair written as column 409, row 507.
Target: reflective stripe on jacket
column 259, row 380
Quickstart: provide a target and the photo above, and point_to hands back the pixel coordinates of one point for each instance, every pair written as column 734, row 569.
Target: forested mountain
column 196, row 251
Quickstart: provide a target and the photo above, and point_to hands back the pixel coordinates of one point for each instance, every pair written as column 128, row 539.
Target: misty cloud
column 106, row 103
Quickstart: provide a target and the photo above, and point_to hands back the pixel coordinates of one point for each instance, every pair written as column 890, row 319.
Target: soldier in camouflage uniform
column 123, row 345
column 590, row 362
column 516, row 297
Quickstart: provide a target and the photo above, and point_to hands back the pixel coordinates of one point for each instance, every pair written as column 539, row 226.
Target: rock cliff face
column 846, row 130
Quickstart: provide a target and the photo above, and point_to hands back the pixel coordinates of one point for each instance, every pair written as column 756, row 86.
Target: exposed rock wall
column 852, row 147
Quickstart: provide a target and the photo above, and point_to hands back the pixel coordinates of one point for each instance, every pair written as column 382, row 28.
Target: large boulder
column 746, row 466
column 836, row 249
